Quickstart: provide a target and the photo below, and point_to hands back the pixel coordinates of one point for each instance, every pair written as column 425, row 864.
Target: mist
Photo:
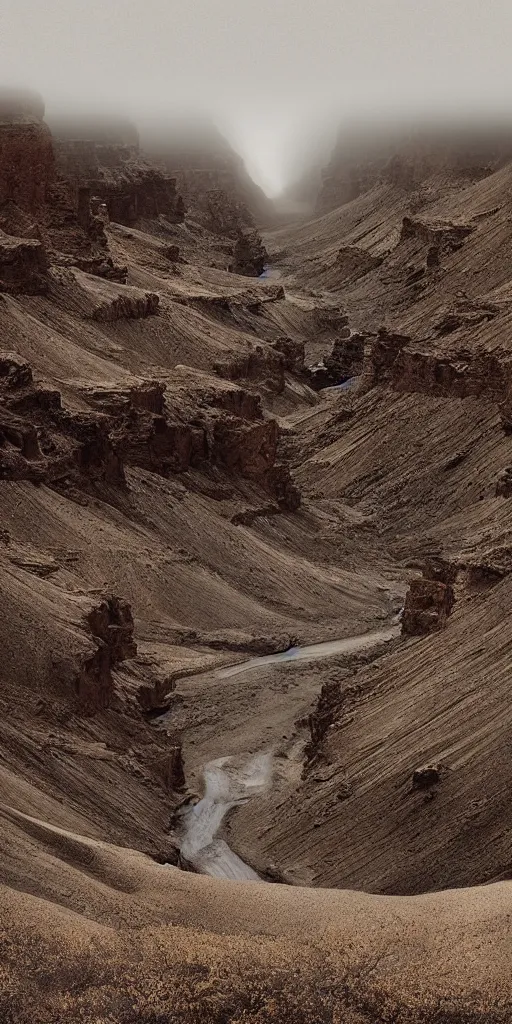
column 270, row 74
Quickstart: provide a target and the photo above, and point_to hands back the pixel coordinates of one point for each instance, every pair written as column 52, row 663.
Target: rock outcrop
column 395, row 360
column 293, row 352
column 131, row 304
column 129, row 186
column 429, row 601
column 43, row 442
column 504, row 483
column 196, row 423
column 249, row 254
column 23, row 265
column 27, row 164
column 346, row 359
column 222, row 214
column 110, row 626
column 261, row 362
column 353, row 263
column 381, row 355
column 440, row 235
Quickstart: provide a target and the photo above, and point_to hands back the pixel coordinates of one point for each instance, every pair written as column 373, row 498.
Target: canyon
column 255, row 556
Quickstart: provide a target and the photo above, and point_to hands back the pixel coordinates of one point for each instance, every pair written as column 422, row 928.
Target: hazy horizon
column 271, row 75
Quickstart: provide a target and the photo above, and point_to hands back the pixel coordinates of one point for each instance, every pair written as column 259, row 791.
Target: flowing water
column 229, row 781
column 315, row 651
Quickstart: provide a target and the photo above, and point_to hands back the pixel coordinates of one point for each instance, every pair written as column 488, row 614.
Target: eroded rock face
column 393, row 359
column 65, row 449
column 429, row 601
column 102, row 266
column 110, row 624
column 132, row 304
column 328, row 707
column 381, row 355
column 208, row 425
column 260, row 363
column 27, row 164
column 346, row 359
column 504, row 483
column 156, row 442
column 466, row 313
column 249, row 254
column 248, row 448
column 441, row 236
column 293, row 352
column 170, row 768
column 461, row 374
column 197, row 424
column 23, row 266
column 130, row 187
column 427, row 606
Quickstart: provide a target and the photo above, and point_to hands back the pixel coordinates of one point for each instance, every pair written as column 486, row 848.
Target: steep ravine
column 231, row 781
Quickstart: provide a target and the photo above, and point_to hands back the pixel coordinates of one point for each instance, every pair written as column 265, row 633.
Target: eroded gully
column 230, row 782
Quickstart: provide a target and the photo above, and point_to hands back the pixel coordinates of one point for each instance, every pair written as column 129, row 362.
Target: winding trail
column 229, row 782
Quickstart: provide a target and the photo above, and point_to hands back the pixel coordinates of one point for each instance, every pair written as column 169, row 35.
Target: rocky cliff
column 131, row 188
column 406, row 156
column 204, row 161
column 27, row 166
column 430, row 600
column 193, row 422
column 447, row 371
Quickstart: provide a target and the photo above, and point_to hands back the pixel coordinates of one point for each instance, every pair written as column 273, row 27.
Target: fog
column 271, row 72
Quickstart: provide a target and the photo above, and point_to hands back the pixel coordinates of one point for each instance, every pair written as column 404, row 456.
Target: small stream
column 230, row 782
column 315, row 651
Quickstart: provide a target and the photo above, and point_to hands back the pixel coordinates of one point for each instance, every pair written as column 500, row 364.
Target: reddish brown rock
column 110, row 624
column 64, row 450
column 27, row 164
column 132, row 304
column 155, row 442
column 346, row 359
column 279, row 482
column 427, row 606
column 23, row 266
column 381, row 355
column 259, row 363
column 395, row 360
column 119, row 177
column 292, row 351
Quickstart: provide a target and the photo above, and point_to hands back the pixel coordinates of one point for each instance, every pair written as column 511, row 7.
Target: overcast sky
column 261, row 65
